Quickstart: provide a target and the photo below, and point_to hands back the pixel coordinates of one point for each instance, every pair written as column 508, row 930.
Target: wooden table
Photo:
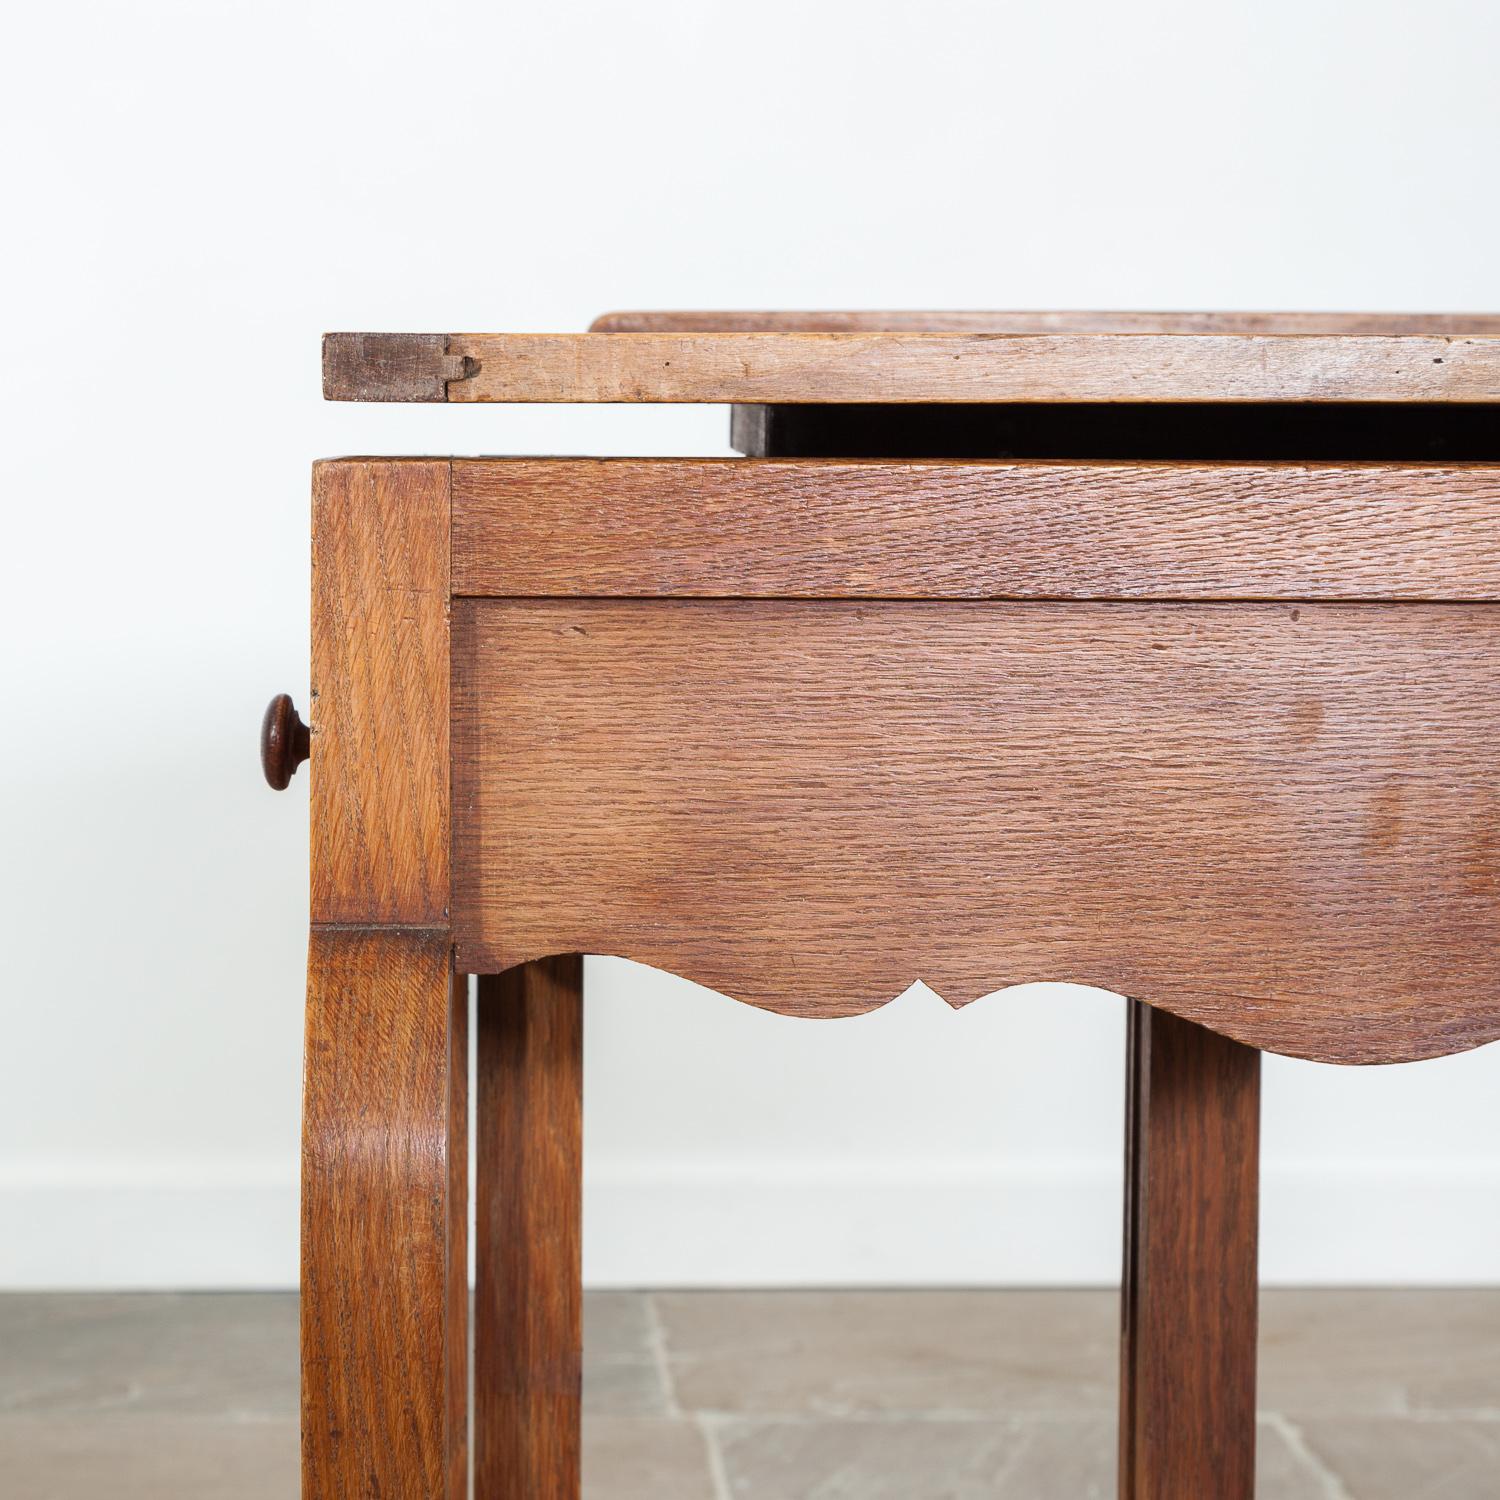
column 1153, row 653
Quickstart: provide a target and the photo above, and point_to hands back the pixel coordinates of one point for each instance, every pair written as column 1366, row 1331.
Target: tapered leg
column 384, row 1219
column 528, row 1337
column 1187, row 1378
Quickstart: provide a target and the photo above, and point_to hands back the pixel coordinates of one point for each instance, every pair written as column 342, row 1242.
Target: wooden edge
column 390, row 367
column 910, row 367
column 1306, row 1043
column 907, row 321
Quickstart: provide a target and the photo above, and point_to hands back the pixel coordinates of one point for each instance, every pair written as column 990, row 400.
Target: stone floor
column 777, row 1396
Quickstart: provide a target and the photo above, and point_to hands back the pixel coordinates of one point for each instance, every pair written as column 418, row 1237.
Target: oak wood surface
column 1429, row 324
column 828, row 528
column 528, row 1298
column 384, row 1218
column 1275, row 820
column 379, row 715
column 1189, row 1291
column 853, row 368
column 385, row 1123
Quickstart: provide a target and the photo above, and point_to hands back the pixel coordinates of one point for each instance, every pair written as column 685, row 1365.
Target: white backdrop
column 196, row 190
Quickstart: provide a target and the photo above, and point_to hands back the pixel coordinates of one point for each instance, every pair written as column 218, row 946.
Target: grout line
column 865, row 1417
column 1292, row 1435
column 708, row 1430
column 857, row 1416
column 1436, row 1416
column 656, row 1341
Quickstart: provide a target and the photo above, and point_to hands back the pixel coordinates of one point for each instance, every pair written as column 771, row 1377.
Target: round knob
column 283, row 742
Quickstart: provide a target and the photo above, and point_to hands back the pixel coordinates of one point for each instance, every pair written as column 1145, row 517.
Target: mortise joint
column 391, row 366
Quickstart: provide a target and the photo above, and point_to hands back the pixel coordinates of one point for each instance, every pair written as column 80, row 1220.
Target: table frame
column 404, row 548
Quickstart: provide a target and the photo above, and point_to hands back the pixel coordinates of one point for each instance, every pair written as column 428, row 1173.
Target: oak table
column 1155, row 653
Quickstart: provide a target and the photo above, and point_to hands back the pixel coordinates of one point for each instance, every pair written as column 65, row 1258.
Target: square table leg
column 384, row 1219
column 1188, row 1348
column 528, row 1338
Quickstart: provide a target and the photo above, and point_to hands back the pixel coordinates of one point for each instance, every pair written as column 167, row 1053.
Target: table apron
column 1274, row 819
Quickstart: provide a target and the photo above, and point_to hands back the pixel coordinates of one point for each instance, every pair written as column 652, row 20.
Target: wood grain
column 1389, row 324
column 1277, row 821
column 389, row 367
column 1188, row 1303
column 379, row 713
column 854, row 368
column 384, row 1217
column 825, row 528
column 529, row 1298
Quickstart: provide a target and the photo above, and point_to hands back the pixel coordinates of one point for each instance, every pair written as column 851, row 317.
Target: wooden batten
column 902, row 367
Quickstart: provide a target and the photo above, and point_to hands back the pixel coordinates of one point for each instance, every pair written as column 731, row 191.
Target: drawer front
column 1277, row 819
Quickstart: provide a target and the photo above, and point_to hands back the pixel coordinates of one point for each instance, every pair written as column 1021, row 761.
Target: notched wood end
column 391, row 367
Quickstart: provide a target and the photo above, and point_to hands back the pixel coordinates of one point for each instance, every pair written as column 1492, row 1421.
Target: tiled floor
column 777, row 1396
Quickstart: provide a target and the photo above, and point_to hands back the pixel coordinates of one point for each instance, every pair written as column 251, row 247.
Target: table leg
column 528, row 1342
column 1188, row 1348
column 384, row 1218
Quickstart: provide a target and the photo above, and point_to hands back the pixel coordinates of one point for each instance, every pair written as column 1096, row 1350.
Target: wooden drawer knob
column 283, row 742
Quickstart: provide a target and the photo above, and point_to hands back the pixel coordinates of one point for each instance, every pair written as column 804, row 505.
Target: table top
column 1389, row 325
column 937, row 358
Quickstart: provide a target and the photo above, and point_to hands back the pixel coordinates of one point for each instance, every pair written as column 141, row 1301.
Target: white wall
column 194, row 191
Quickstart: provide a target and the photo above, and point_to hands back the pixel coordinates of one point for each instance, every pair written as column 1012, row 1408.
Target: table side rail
column 823, row 528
